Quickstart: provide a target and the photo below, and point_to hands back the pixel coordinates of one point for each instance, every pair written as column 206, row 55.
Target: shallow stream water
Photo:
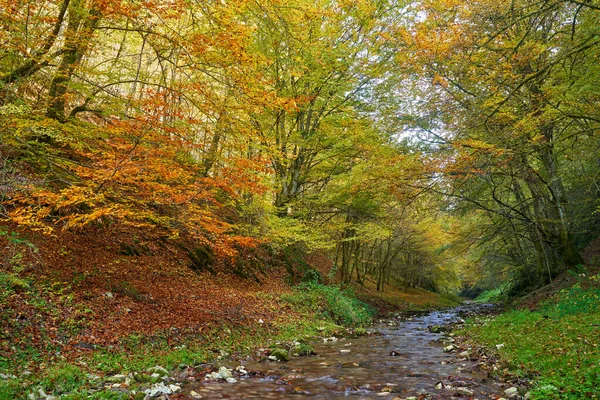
column 363, row 368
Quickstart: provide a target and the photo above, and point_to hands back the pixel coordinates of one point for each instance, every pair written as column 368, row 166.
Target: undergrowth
column 331, row 303
column 493, row 295
column 559, row 341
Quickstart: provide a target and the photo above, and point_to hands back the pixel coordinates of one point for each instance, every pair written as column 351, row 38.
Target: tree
column 502, row 80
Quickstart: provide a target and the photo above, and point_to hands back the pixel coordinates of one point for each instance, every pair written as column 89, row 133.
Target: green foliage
column 9, row 389
column 332, row 303
column 63, row 379
column 299, row 270
column 559, row 341
column 11, row 283
column 303, row 349
column 493, row 295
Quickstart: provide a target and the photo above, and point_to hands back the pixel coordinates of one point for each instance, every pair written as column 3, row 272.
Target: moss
column 280, row 354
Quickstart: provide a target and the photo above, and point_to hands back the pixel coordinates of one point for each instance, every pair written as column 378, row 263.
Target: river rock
column 231, row 380
column 449, row 349
column 522, row 390
column 155, row 377
column 465, row 354
column 213, row 375
column 159, row 389
column 511, row 393
column 463, row 391
column 297, row 390
column 225, row 373
column 118, row 378
column 390, row 388
column 195, row 395
column 93, row 377
column 350, row 365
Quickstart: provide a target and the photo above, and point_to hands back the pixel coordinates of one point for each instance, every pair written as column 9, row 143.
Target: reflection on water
column 364, row 368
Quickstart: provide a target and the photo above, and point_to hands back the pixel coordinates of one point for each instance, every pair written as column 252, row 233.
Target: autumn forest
column 196, row 162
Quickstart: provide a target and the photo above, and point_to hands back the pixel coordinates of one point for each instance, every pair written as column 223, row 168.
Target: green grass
column 331, row 303
column 559, row 341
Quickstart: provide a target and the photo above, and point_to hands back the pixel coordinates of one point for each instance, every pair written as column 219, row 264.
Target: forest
column 198, row 156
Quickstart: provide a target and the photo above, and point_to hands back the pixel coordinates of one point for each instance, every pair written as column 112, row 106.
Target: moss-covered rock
column 141, row 377
column 139, row 396
column 280, row 355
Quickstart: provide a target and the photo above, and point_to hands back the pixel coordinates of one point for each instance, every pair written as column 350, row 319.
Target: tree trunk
column 80, row 28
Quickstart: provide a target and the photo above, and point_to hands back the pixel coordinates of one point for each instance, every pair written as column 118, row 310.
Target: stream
column 404, row 360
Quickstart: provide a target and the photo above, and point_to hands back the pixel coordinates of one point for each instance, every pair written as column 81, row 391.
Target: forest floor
column 106, row 300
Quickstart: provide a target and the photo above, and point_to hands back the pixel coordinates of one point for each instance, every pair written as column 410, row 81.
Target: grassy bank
column 309, row 311
column 556, row 344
